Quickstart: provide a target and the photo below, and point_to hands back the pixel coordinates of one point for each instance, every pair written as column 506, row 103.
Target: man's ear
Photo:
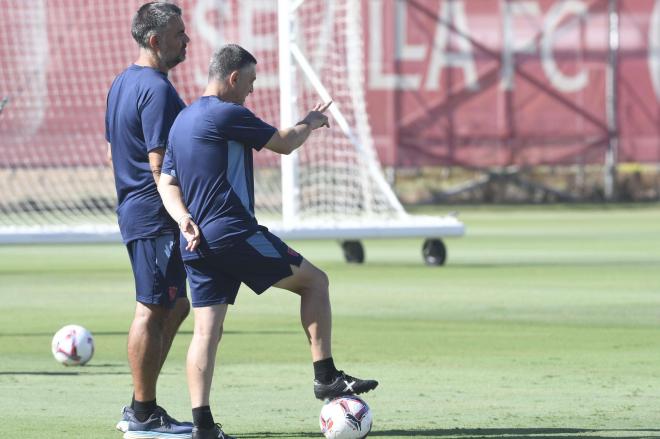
column 153, row 42
column 233, row 77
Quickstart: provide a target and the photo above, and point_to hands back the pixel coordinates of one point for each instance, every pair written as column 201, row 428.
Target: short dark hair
column 228, row 58
column 151, row 19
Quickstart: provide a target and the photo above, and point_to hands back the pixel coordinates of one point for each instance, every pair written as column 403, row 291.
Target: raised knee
column 320, row 283
column 323, row 281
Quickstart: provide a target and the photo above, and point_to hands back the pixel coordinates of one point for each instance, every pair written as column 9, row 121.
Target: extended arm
column 287, row 140
column 170, row 192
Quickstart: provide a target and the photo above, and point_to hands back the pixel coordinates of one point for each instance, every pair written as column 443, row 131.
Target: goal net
column 59, row 58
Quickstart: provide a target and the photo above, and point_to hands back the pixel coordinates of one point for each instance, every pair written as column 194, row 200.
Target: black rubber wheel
column 434, row 252
column 353, row 251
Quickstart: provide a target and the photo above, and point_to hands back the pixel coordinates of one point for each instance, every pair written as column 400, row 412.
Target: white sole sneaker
column 122, row 426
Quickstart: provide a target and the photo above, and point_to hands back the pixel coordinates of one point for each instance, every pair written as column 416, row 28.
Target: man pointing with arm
column 208, row 182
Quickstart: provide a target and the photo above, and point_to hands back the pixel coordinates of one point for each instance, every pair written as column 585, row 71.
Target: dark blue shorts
column 260, row 261
column 160, row 277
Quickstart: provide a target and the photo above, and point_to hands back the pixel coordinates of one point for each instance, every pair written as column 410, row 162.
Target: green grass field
column 544, row 323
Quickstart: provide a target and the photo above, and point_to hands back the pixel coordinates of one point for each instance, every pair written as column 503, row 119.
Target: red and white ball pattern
column 346, row 417
column 73, row 345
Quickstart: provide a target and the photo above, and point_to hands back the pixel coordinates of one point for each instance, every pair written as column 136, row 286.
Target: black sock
column 143, row 409
column 133, row 402
column 325, row 370
column 202, row 417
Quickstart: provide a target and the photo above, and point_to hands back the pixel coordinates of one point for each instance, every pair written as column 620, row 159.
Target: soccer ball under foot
column 346, row 417
column 73, row 345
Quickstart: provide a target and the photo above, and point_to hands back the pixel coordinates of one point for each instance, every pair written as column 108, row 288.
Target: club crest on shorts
column 172, row 292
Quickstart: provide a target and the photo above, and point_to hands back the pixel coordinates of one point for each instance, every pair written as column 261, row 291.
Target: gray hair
column 151, row 19
column 227, row 59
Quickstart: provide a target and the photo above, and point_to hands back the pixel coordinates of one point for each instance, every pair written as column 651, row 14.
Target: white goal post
column 333, row 187
column 376, row 211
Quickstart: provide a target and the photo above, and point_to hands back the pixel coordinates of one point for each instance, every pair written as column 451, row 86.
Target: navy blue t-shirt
column 210, row 154
column 142, row 105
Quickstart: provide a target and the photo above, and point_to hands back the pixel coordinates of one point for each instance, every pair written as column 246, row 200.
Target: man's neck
column 149, row 59
column 214, row 88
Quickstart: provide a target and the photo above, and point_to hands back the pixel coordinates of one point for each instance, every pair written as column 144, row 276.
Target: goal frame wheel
column 353, row 251
column 434, row 252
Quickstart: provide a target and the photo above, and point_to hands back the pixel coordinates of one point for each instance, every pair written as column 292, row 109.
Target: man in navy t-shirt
column 141, row 107
column 208, row 187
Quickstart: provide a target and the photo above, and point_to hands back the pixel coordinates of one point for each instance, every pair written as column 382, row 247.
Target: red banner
column 484, row 83
column 448, row 82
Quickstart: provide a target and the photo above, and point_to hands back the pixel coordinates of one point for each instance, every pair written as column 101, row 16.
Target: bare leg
column 311, row 284
column 149, row 340
column 145, row 348
column 172, row 323
column 202, row 351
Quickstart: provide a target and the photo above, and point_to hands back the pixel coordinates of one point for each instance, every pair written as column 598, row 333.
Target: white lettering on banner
column 211, row 34
column 377, row 78
column 248, row 36
column 654, row 48
column 257, row 41
column 452, row 11
column 510, row 46
column 403, row 50
column 551, row 29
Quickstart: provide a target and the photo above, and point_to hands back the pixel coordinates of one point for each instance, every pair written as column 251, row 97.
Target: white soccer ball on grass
column 73, row 345
column 346, row 417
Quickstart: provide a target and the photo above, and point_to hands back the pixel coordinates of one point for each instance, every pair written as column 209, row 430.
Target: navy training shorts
column 259, row 261
column 160, row 277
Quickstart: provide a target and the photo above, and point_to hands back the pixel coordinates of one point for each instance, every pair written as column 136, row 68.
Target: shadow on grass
column 267, row 434
column 489, row 433
column 554, row 264
column 517, row 433
column 522, row 433
column 67, row 373
column 125, row 334
column 41, row 373
column 386, row 265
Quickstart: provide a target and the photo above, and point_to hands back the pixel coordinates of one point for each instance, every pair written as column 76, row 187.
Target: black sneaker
column 210, row 433
column 343, row 385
